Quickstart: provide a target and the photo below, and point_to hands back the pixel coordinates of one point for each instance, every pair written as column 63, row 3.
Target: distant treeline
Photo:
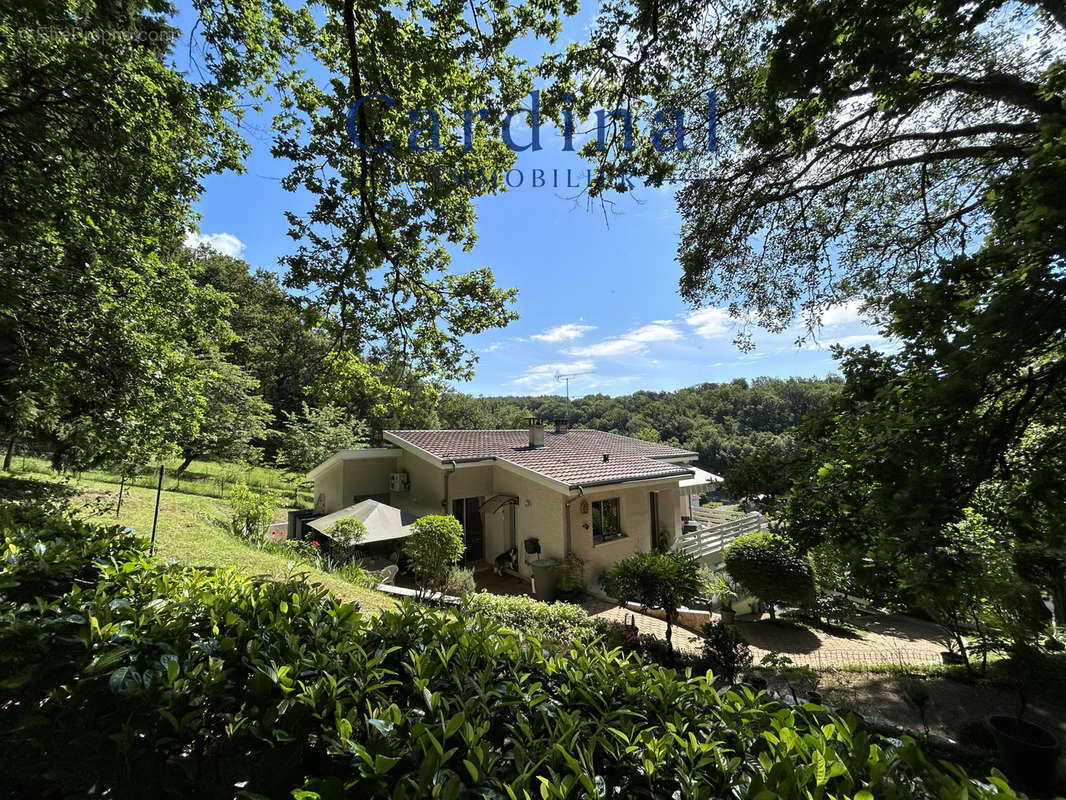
column 723, row 422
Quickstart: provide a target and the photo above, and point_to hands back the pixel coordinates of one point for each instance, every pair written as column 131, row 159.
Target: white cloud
column 655, row 332
column 563, row 333
column 711, row 323
column 632, row 343
column 225, row 243
column 540, row 378
column 842, row 314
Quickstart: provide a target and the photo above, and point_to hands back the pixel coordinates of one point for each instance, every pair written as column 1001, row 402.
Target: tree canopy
column 856, row 144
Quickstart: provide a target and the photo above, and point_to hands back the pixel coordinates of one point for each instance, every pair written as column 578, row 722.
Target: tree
column 436, row 543
column 309, row 438
column 234, row 416
column 856, row 144
column 104, row 143
column 967, row 584
column 102, row 148
column 376, row 240
column 664, row 581
column 770, row 567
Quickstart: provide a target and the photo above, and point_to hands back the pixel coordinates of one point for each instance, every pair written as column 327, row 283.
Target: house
column 548, row 493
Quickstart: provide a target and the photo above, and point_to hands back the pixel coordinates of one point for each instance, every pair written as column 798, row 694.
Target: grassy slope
column 206, row 478
column 191, row 531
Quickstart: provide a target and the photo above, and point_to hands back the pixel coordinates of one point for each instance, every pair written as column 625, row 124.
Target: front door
column 467, row 511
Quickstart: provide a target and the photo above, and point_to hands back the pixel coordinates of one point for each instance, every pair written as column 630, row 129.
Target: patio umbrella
column 382, row 521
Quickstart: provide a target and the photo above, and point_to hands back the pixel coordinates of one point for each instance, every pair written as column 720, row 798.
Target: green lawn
column 207, row 478
column 191, row 531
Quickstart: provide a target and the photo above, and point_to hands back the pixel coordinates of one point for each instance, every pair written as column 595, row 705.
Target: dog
column 506, row 560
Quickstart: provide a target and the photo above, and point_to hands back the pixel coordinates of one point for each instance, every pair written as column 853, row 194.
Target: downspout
column 578, row 496
column 447, row 495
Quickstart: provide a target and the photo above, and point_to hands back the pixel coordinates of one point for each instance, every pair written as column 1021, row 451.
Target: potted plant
column 718, row 587
column 1028, row 752
column 953, row 654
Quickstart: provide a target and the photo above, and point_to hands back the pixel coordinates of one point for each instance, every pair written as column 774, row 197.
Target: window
column 606, row 519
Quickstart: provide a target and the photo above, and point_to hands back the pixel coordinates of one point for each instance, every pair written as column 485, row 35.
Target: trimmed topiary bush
column 434, row 546
column 769, row 567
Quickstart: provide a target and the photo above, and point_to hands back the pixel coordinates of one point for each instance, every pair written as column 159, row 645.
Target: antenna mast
column 561, row 378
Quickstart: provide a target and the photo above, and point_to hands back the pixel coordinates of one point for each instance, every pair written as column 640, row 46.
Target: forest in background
column 723, row 422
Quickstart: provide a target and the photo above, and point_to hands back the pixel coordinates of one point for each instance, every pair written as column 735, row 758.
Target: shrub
column 347, row 532
column 769, row 567
column 725, row 650
column 460, row 582
column 570, row 574
column 250, row 513
column 552, row 623
column 345, row 535
column 655, row 580
column 435, row 544
column 835, row 607
column 797, row 677
column 147, row 680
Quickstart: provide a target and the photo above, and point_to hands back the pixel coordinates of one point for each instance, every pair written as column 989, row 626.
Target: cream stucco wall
column 540, row 511
column 635, row 513
column 426, row 495
column 538, row 514
column 367, row 476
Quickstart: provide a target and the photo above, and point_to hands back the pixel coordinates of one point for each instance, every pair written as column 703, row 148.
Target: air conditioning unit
column 399, row 482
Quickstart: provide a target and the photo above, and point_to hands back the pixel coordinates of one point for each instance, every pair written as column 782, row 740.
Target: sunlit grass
column 191, row 530
column 207, row 478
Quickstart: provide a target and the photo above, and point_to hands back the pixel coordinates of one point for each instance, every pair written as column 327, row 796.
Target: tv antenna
column 561, row 378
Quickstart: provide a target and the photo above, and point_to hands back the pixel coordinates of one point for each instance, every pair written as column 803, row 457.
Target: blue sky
column 598, row 294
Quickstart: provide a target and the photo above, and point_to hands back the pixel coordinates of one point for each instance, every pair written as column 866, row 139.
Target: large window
column 606, row 519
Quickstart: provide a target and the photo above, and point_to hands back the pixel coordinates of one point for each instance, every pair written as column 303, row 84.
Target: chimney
column 562, row 425
column 536, row 431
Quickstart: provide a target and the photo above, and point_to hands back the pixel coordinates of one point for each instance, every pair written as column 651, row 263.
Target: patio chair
column 388, row 575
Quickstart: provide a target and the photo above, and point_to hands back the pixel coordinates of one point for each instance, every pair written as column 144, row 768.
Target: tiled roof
column 574, row 458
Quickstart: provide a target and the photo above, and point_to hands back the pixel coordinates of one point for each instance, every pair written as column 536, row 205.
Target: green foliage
column 725, row 650
column 147, row 679
column 655, row 580
column 310, row 437
column 869, row 141
column 436, row 543
column 768, row 566
column 250, row 512
column 570, row 574
column 460, row 582
column 723, row 422
column 347, row 532
column 234, row 417
column 556, row 624
column 100, row 323
column 716, row 585
column 797, row 677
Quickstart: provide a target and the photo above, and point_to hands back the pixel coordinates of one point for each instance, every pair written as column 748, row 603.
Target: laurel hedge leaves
column 125, row 677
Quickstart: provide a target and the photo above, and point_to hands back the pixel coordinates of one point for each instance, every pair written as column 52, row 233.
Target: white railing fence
column 709, row 541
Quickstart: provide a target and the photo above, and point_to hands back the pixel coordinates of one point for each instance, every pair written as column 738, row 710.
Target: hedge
column 130, row 678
